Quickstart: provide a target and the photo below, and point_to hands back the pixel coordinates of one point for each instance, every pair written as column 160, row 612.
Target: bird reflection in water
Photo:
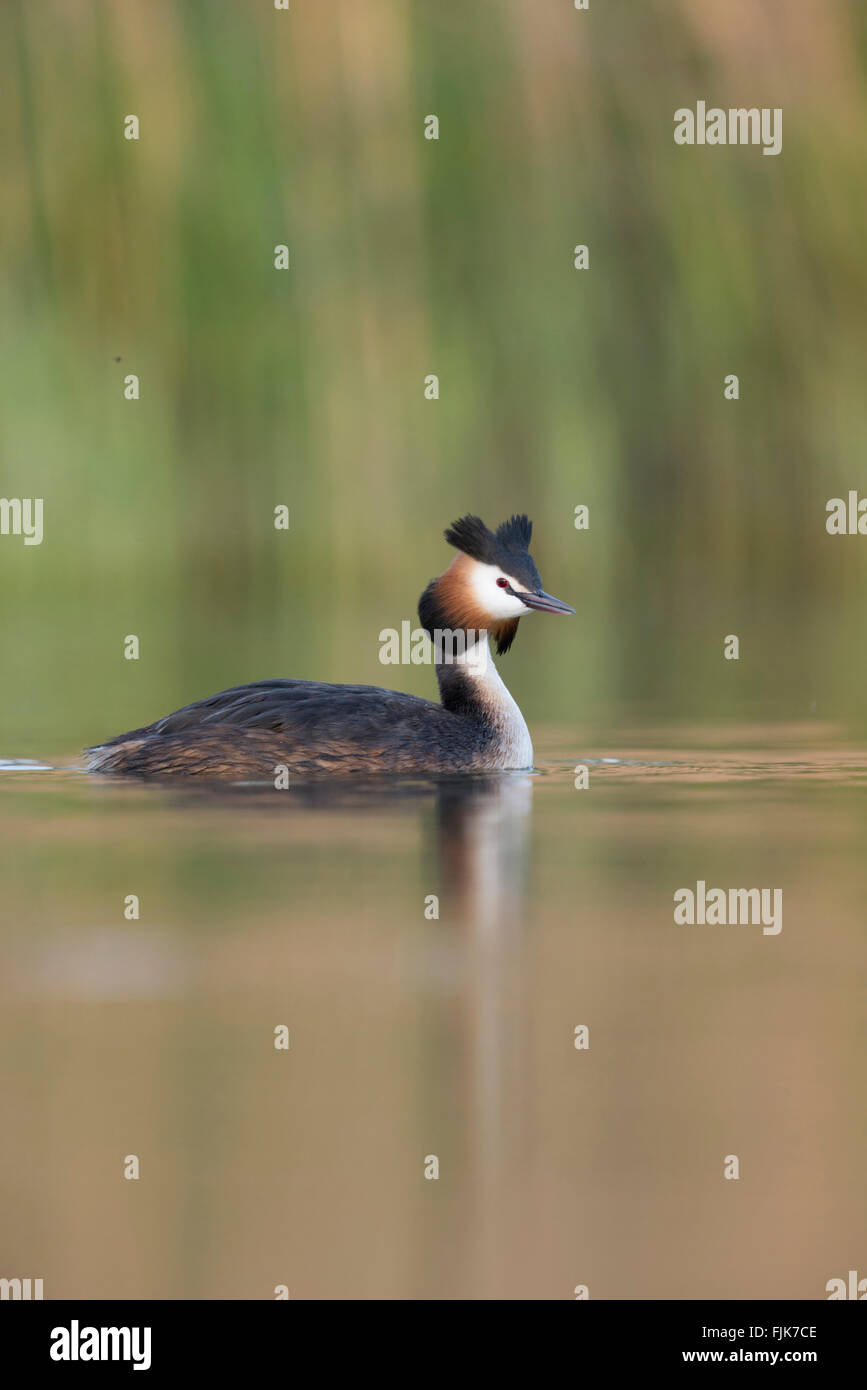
column 482, row 849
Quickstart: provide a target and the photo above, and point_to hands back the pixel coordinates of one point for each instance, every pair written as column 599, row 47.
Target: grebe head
column 491, row 583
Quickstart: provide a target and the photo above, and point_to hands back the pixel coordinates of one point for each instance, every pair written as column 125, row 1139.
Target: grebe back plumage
column 246, row 733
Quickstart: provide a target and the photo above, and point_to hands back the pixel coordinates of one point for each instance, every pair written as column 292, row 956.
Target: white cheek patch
column 496, row 602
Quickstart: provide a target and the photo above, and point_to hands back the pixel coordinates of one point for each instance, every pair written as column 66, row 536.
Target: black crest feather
column 515, row 533
column 506, row 547
column 471, row 535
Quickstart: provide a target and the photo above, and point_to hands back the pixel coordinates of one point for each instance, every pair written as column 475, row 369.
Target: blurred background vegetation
column 410, row 257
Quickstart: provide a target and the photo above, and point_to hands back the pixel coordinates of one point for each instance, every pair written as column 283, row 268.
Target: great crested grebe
column 248, row 732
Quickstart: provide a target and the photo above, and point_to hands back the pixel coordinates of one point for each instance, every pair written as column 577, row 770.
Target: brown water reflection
column 413, row 1035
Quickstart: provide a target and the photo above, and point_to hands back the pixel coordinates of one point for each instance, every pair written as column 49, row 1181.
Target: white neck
column 515, row 747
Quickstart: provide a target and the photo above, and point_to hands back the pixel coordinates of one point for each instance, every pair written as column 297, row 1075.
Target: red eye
column 502, row 583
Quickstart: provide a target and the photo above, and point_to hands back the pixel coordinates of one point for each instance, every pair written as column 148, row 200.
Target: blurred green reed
column 411, row 257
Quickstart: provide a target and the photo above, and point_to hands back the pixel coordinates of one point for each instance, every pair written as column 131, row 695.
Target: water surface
column 450, row 1035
